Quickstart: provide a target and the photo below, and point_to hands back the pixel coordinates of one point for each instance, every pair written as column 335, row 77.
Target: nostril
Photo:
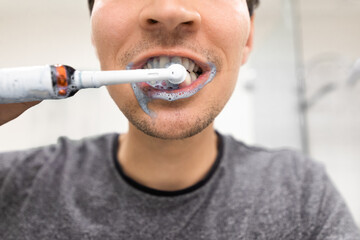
column 188, row 23
column 152, row 21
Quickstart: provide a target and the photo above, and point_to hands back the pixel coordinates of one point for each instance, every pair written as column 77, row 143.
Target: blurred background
column 300, row 89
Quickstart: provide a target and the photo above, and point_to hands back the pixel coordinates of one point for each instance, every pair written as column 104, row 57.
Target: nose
column 169, row 15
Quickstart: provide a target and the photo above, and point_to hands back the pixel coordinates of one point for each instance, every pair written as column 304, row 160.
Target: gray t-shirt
column 77, row 190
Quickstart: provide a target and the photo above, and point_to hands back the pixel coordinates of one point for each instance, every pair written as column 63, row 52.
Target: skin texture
column 178, row 146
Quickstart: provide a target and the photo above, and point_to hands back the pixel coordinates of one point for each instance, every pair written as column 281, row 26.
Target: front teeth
column 176, row 60
column 164, row 61
column 156, row 63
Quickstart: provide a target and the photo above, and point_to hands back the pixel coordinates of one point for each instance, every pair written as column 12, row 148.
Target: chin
column 172, row 120
column 173, row 125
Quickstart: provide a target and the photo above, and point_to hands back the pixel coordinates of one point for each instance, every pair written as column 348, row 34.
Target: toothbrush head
column 178, row 73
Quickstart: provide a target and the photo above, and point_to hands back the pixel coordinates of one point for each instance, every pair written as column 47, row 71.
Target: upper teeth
column 164, row 61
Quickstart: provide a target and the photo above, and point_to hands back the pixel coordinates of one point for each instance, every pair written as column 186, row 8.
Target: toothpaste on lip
column 60, row 81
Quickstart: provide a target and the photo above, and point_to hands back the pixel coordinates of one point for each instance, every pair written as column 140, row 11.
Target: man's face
column 133, row 32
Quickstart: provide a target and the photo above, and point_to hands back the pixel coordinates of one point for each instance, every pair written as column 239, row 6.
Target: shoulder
column 280, row 163
column 279, row 178
column 25, row 164
column 291, row 188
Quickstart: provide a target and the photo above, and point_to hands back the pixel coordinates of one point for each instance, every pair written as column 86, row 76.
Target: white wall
column 328, row 40
column 331, row 37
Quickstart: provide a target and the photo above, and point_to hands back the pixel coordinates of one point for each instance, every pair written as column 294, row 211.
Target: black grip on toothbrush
column 62, row 79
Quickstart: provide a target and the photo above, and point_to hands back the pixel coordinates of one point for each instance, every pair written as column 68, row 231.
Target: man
column 171, row 176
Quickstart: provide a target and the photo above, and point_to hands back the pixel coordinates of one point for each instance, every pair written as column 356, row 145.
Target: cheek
column 109, row 22
column 229, row 31
column 226, row 84
column 121, row 94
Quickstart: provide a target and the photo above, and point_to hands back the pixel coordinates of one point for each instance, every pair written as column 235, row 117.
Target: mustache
column 168, row 40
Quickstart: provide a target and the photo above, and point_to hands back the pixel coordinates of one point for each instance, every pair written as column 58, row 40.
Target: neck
column 167, row 165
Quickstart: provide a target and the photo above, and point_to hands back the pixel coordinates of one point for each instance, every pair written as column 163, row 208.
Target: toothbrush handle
column 28, row 84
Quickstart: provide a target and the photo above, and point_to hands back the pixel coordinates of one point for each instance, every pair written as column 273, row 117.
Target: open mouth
column 198, row 75
column 193, row 69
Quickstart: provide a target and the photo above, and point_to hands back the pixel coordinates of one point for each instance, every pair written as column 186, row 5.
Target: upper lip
column 140, row 60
